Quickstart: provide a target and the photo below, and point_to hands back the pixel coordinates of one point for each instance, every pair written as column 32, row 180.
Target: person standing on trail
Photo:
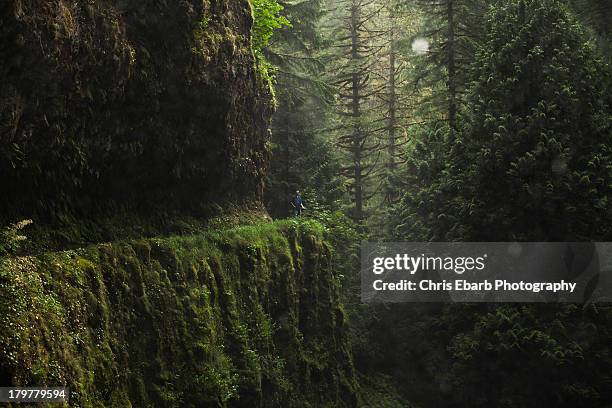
column 298, row 204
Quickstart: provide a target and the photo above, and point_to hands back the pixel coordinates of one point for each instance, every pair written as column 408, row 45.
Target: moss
column 110, row 89
column 242, row 317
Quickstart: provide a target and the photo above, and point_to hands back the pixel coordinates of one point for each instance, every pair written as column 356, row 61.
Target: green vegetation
column 11, row 238
column 456, row 120
column 536, row 123
column 141, row 140
column 266, row 19
column 243, row 317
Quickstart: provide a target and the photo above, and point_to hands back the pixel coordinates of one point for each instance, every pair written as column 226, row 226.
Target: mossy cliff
column 248, row 317
column 128, row 103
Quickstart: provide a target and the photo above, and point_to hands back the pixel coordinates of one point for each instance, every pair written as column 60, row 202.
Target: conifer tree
column 354, row 76
column 453, row 29
column 303, row 157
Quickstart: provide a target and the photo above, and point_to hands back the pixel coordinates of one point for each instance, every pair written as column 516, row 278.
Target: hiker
column 298, row 204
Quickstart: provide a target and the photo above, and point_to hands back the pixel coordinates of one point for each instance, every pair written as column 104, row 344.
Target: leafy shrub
column 11, row 237
column 267, row 18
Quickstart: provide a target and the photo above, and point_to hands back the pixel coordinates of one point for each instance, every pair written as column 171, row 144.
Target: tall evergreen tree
column 395, row 107
column 539, row 127
column 453, row 29
column 354, row 77
column 303, row 157
column 531, row 161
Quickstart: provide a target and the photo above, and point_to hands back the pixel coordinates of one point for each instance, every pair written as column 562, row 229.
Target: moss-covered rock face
column 248, row 317
column 128, row 102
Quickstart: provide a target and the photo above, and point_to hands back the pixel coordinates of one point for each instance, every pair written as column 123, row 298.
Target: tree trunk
column 452, row 84
column 356, row 114
column 392, row 120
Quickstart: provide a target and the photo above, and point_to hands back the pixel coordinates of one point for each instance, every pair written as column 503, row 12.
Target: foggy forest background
column 453, row 120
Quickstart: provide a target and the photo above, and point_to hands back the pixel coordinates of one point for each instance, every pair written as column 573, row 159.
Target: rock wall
column 128, row 103
column 248, row 317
